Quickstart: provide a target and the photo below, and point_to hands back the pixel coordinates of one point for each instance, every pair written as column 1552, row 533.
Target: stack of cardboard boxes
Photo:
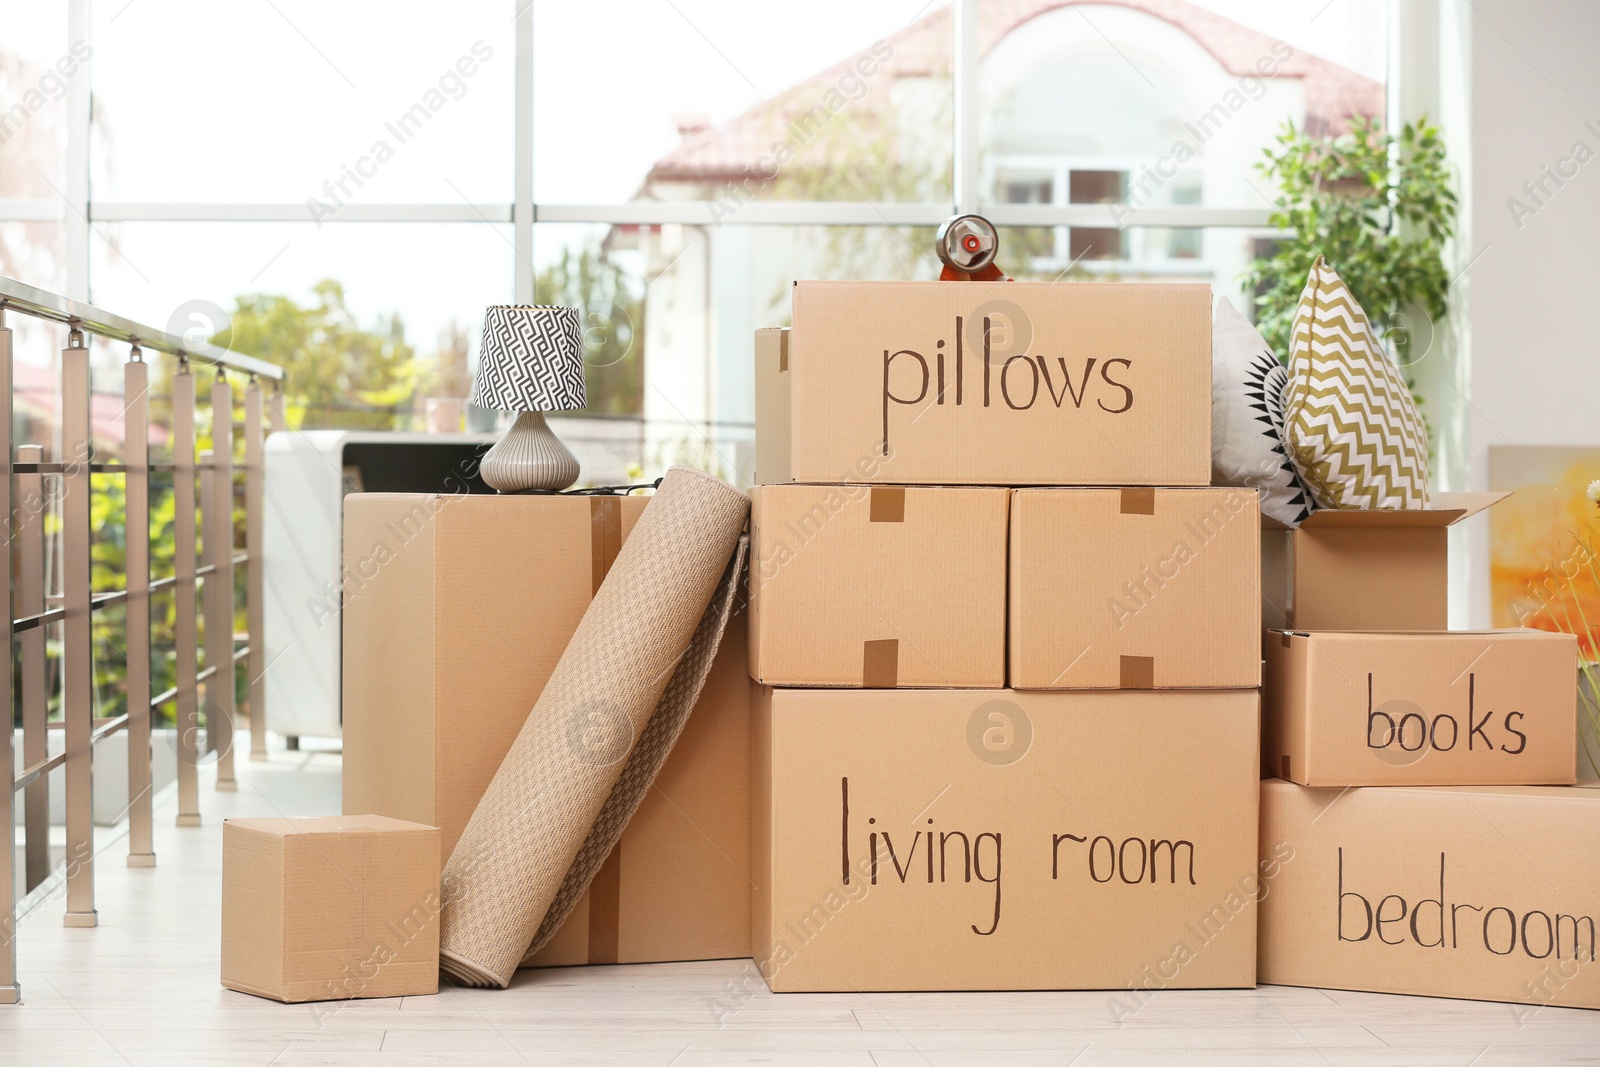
column 1008, row 644
column 1432, row 839
column 1005, row 725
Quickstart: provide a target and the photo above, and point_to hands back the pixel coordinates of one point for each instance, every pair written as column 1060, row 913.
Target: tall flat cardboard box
column 1480, row 707
column 951, row 839
column 456, row 609
column 1482, row 892
column 330, row 908
column 451, row 631
column 1364, row 570
column 878, row 586
column 1135, row 588
column 988, row 384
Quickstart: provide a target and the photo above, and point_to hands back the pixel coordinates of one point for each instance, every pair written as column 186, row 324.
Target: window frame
column 79, row 211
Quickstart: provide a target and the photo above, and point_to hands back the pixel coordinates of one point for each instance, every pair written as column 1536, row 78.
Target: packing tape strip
column 605, row 892
column 880, row 664
column 1139, row 500
column 1137, row 672
column 605, row 536
column 605, row 909
column 888, row 504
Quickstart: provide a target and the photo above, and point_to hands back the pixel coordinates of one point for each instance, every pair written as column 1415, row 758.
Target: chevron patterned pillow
column 1350, row 423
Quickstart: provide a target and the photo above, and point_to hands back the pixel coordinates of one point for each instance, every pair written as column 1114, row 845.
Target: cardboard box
column 330, row 908
column 878, row 586
column 450, row 634
column 1135, row 588
column 1364, row 570
column 1008, row 383
column 1480, row 707
column 456, row 609
column 950, row 839
column 1483, row 892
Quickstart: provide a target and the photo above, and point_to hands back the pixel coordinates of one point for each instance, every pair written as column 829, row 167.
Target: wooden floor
column 142, row 989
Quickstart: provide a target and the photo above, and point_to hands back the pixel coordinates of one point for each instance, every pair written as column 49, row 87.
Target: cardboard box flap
column 1445, row 509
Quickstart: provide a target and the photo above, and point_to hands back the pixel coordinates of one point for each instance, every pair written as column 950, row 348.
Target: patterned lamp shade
column 531, row 359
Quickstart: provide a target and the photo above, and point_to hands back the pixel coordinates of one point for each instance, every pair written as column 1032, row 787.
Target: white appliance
column 308, row 474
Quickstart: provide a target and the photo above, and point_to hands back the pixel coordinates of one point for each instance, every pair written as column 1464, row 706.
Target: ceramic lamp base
column 529, row 456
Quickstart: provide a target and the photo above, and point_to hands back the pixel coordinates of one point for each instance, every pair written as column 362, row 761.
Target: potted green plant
column 1381, row 209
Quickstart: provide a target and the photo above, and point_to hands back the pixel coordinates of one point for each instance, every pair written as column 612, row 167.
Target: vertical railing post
column 183, row 594
column 254, row 585
column 10, row 990
column 203, row 596
column 218, row 537
column 219, row 619
column 136, row 509
column 31, row 651
column 77, row 652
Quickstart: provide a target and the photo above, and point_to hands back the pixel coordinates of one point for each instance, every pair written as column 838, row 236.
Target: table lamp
column 531, row 361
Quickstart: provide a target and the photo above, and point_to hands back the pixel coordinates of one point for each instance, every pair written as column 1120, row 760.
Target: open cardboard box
column 1364, row 570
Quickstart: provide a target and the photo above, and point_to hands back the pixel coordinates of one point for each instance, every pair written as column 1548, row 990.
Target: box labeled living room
column 1014, row 840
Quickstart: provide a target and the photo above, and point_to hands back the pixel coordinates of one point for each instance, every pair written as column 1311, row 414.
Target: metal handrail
column 197, row 587
column 47, row 305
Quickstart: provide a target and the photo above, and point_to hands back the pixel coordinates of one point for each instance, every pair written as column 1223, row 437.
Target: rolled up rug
column 542, row 805
column 649, row 754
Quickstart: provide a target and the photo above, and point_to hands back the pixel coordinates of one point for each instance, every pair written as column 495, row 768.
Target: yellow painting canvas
column 1544, row 541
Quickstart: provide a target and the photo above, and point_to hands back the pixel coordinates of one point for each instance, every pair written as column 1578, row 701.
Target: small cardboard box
column 1364, row 570
column 1135, row 588
column 878, row 586
column 988, row 384
column 951, row 839
column 1479, row 707
column 1482, row 892
column 330, row 908
column 450, row 633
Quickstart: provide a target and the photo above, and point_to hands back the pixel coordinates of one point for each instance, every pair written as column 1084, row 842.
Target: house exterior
column 1134, row 103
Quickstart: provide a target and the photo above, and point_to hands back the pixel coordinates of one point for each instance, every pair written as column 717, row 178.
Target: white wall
column 1534, row 350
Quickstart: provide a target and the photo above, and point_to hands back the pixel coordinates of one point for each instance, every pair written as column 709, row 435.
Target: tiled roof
column 1332, row 92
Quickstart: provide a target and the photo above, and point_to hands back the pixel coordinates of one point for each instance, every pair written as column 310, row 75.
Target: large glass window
column 297, row 101
column 681, row 163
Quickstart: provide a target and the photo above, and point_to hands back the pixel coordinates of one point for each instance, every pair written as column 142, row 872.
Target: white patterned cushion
column 1351, row 425
column 1247, row 417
